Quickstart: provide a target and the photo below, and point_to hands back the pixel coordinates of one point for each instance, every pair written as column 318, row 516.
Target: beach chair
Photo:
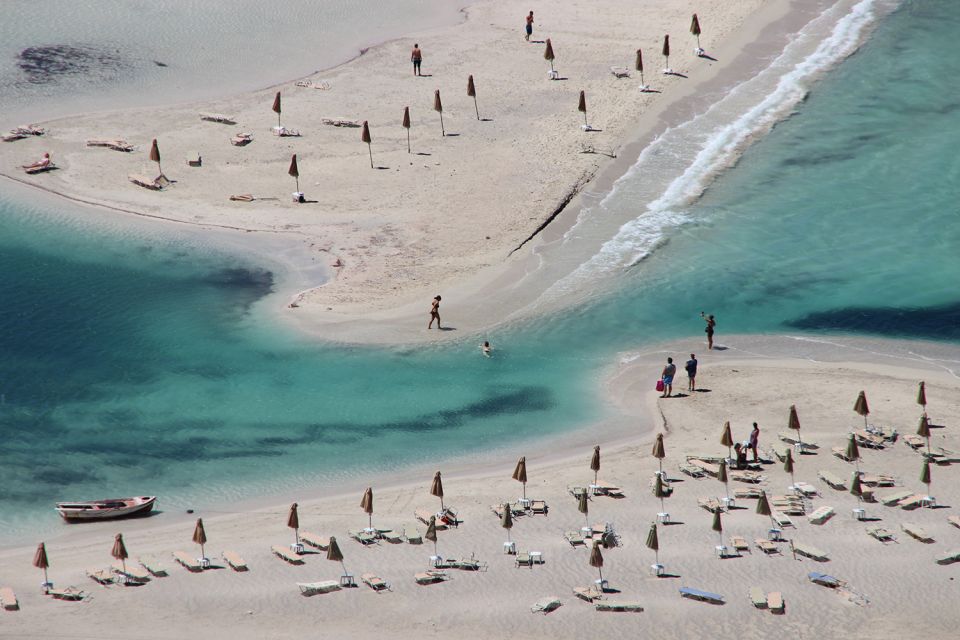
column 424, row 515
column 523, row 559
column 283, row 132
column 538, row 507
column 363, row 537
column 703, row 596
column 375, row 582
column 841, row 452
column 820, row 515
column 430, row 577
column 152, row 565
column 241, row 139
column 67, row 593
column 809, row 551
column 9, row 599
column 747, row 494
column 891, row 499
column 412, row 535
column 877, row 480
column 825, row 581
column 576, row 492
column 392, row 536
column 286, row 554
column 620, row 72
column 218, row 118
column 619, row 606
column 130, row 574
column 709, row 468
column 750, row 477
column 115, row 145
column 954, row 520
column 472, row 564
column 315, row 541
column 791, row 438
column 949, row 557
column 911, row 502
column 917, row 532
column 782, row 519
column 233, row 559
column 313, row 588
column 100, row 576
column 589, row 594
column 758, row 598
column 545, row 605
column 739, row 543
column 147, row 183
column 881, row 534
column 779, row 452
column 33, row 170
column 575, row 538
column 710, row 504
column 805, row 489
column 914, row 442
column 691, row 470
column 606, row 489
column 768, row 547
column 832, row 480
column 188, row 561
column 775, row 602
column 869, row 440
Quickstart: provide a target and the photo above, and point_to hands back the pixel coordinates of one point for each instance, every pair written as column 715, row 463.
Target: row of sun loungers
column 772, row 601
column 23, row 131
column 218, row 118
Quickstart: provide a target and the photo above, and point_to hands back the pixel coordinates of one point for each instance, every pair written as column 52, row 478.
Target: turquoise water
column 135, row 364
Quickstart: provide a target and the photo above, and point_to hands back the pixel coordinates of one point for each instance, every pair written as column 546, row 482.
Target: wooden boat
column 106, row 509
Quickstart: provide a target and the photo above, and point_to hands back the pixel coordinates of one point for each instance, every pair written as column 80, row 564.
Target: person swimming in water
column 485, row 348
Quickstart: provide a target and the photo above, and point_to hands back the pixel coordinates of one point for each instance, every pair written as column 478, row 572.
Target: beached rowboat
column 106, row 509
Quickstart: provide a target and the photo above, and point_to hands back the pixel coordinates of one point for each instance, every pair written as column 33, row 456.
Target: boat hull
column 106, row 509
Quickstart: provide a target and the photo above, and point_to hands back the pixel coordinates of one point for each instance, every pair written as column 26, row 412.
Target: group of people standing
column 670, row 370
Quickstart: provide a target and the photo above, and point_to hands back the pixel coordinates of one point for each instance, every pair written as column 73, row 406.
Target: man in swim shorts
column 691, row 368
column 529, row 26
column 667, row 376
column 416, row 57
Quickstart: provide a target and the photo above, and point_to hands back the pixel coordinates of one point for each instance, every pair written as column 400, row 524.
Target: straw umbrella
column 722, row 477
column 472, row 92
column 596, row 560
column 855, row 486
column 40, row 561
column 794, row 422
column 639, row 66
column 406, row 125
column 659, row 451
column 922, row 397
column 365, row 136
column 436, row 488
column 155, row 155
column 506, row 520
column 718, row 525
column 548, row 55
column 334, row 554
column 853, row 451
column 520, row 474
column 861, row 407
column 276, row 107
column 200, row 537
column 653, row 541
column 431, row 533
column 293, row 521
column 438, row 107
column 695, row 30
column 595, row 463
column 726, row 438
column 582, row 108
column 659, row 490
column 666, row 54
column 294, row 170
column 582, row 505
column 923, row 430
column 925, row 476
column 366, row 503
column 763, row 505
column 788, row 465
column 119, row 551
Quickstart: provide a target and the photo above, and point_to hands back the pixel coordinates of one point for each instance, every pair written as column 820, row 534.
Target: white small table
column 553, row 74
column 663, row 517
column 510, row 548
column 536, row 557
column 297, row 548
column 435, row 561
column 859, row 514
column 656, row 570
column 775, row 535
column 204, row 563
column 524, row 503
column 722, row 551
column 928, row 501
column 727, row 503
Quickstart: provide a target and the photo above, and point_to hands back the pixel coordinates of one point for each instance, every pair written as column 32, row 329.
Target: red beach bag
column 660, row 384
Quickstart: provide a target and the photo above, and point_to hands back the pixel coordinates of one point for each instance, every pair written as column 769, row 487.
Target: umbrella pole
column 641, row 78
column 476, row 107
column 370, row 150
column 202, row 554
column 370, row 521
column 442, row 131
column 298, row 183
column 524, row 490
column 595, row 473
column 551, row 67
column 47, row 581
column 600, row 571
column 278, row 120
column 698, row 41
column 585, row 119
column 662, row 508
column 408, row 140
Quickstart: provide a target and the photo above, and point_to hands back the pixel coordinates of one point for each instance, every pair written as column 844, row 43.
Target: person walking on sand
column 416, row 57
column 667, row 376
column 435, row 313
column 754, row 441
column 711, row 324
column 485, row 348
column 529, row 26
column 691, row 368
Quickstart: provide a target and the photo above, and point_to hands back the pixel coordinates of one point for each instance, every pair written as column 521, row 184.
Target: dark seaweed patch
column 48, row 63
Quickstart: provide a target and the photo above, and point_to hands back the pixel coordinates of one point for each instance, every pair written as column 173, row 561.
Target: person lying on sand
column 39, row 164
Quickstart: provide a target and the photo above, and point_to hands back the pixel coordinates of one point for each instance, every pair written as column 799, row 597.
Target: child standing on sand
column 416, row 57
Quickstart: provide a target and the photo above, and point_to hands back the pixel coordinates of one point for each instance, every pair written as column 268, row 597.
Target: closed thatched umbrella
column 366, row 503
column 200, row 537
column 472, row 92
column 861, row 407
column 922, row 396
column 506, row 520
column 438, row 107
column 40, row 561
column 659, row 490
column 155, row 155
column 923, row 430
column 596, row 560
column 763, row 505
column 582, row 108
column 334, row 554
column 639, row 67
column 653, row 541
column 520, row 474
column 722, row 477
column 925, row 477
column 666, row 54
column 695, row 30
column 794, row 422
column 276, row 107
column 406, row 125
column 293, row 521
column 788, row 465
column 431, row 533
column 436, row 488
column 659, row 451
column 856, row 487
column 294, row 170
column 582, row 506
column 365, row 137
column 119, row 551
column 726, row 438
column 853, row 451
column 548, row 55
column 718, row 525
column 595, row 463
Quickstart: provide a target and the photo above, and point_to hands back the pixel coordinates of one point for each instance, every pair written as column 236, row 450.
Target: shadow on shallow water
column 941, row 322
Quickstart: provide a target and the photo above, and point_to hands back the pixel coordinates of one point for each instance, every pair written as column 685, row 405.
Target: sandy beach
column 894, row 587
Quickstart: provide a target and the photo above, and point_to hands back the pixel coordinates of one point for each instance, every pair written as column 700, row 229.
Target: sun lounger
column 747, row 494
column 710, row 504
column 217, row 117
column 832, row 480
column 691, row 470
column 751, row 477
column 806, row 489
column 824, row 580
column 574, row 538
column 620, row 72
column 775, row 601
column 820, row 515
column 25, row 131
column 241, row 139
column 68, row 593
column 116, row 145
column 313, row 588
column 954, row 520
column 779, row 452
column 916, row 532
column 35, row 169
column 539, row 506
column 472, row 564
column 576, row 492
column 375, row 582
column 431, row 577
column 188, row 561
column 545, row 605
column 708, row 468
column 949, row 557
column 620, row 606
column 877, row 480
column 424, row 515
column 130, row 573
column 703, row 596
column 13, row 137
column 881, row 534
column 588, row 593
column 841, row 452
column 791, row 438
column 767, row 546
column 523, row 559
column 233, row 559
column 243, row 197
column 147, row 183
column 283, row 132
column 891, row 499
column 914, row 442
column 911, row 502
column 413, row 535
column 341, row 122
column 758, row 597
column 869, row 440
column 315, row 541
column 607, row 489
column 152, row 565
column 286, row 554
column 100, row 576
column 392, row 536
column 788, row 508
column 739, row 543
column 809, row 551
column 9, row 599
column 363, row 537
column 782, row 519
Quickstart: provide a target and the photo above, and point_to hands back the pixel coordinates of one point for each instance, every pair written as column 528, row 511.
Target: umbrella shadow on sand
column 678, row 75
column 707, row 57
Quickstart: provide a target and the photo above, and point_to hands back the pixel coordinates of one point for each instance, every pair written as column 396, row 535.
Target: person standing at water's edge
column 754, row 441
column 667, row 376
column 416, row 57
column 435, row 313
column 529, row 27
column 711, row 325
column 691, row 368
